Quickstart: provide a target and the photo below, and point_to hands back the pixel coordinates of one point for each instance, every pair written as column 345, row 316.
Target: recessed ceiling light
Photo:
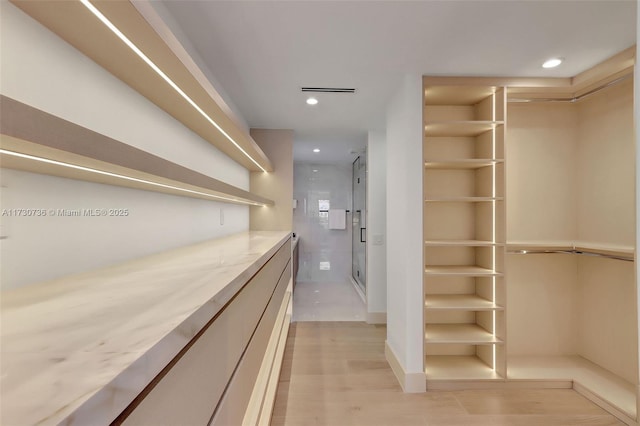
column 552, row 63
column 312, row 101
column 316, row 150
column 315, row 170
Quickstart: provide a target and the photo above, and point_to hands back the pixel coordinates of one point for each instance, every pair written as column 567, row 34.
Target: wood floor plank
column 523, row 420
column 527, row 401
column 335, row 374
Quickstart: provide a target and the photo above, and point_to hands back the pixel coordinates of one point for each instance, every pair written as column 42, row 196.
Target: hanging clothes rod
column 580, row 252
column 575, row 98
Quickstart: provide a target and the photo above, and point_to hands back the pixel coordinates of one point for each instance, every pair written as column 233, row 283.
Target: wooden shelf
column 462, row 199
column 460, row 302
column 611, row 388
column 456, row 95
column 459, row 128
column 468, row 334
column 572, row 247
column 72, row 22
column 458, row 367
column 461, row 243
column 463, row 163
column 38, row 142
column 454, row 270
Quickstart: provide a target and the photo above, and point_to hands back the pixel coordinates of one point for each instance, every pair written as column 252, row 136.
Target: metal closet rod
column 575, row 98
column 575, row 251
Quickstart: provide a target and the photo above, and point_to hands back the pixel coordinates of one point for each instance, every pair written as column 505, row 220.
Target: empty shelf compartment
column 464, row 302
column 458, row 367
column 470, row 334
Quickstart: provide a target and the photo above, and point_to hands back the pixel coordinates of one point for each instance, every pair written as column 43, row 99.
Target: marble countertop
column 78, row 350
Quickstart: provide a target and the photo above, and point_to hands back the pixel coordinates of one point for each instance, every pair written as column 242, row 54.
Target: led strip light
column 493, row 213
column 124, row 177
column 158, row 71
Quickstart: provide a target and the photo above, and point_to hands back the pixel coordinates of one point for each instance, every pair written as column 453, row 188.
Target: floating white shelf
column 611, row 388
column 459, row 128
column 458, row 367
column 461, row 243
column 462, row 199
column 469, row 334
column 461, row 302
column 471, row 163
column 454, row 270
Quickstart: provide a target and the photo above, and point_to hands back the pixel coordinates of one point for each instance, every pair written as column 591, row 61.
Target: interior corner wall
column 605, row 158
column 43, row 71
column 404, row 227
column 276, row 185
column 377, row 227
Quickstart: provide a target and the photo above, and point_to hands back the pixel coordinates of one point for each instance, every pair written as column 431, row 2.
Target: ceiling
column 263, row 52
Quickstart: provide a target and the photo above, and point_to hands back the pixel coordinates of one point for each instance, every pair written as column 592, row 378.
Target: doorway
column 359, row 226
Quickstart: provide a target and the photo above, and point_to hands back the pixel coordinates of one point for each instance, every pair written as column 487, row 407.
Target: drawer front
column 234, row 403
column 188, row 393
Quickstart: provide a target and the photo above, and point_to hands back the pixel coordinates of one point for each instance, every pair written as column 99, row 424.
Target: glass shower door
column 359, row 215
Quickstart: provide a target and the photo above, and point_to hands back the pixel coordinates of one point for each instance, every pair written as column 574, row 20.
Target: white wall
column 404, row 232
column 636, row 105
column 376, row 227
column 41, row 70
column 318, row 243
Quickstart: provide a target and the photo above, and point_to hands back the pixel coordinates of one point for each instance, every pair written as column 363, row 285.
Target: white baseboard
column 410, row 382
column 376, row 317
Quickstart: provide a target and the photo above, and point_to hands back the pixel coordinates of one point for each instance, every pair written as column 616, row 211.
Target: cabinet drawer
column 188, row 392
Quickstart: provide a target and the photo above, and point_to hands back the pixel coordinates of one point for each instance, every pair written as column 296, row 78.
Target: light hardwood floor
column 335, row 374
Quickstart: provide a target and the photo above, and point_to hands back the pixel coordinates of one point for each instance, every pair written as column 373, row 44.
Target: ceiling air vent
column 327, row 90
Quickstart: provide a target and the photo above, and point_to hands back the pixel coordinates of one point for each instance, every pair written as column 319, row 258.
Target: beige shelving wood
column 470, row 334
column 573, row 306
column 463, row 232
column 463, row 302
column 460, row 270
column 460, row 367
column 463, row 243
column 474, row 163
column 462, row 199
column 460, row 128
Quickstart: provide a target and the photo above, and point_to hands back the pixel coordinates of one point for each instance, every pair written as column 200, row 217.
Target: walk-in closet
column 529, row 229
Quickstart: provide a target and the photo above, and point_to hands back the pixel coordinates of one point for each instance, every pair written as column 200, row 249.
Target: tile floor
column 327, row 301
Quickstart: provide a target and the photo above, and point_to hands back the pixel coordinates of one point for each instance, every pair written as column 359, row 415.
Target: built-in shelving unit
column 618, row 395
column 572, row 288
column 463, row 232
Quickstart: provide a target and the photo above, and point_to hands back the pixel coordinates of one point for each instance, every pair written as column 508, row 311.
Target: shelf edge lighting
column 158, row 71
column 124, row 177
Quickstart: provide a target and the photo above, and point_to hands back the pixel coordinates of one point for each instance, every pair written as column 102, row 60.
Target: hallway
column 327, row 301
column 335, row 374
